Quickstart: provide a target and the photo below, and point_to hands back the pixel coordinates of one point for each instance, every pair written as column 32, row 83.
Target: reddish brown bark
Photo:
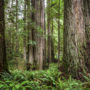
column 74, row 37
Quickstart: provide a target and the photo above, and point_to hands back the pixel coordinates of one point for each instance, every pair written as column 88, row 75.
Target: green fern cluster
column 39, row 80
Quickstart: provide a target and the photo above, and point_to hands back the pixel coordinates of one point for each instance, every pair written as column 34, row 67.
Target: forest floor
column 41, row 80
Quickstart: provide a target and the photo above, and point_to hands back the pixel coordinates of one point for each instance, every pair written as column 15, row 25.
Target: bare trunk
column 87, row 30
column 52, row 43
column 74, row 37
column 39, row 32
column 49, row 32
column 59, row 33
column 45, row 41
column 3, row 63
column 30, row 32
column 16, row 26
column 24, row 41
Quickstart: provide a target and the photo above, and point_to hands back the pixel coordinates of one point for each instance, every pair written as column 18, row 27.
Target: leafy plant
column 40, row 80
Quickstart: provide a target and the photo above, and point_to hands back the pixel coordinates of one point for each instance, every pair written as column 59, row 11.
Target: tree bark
column 52, row 42
column 74, row 38
column 87, row 30
column 30, row 32
column 3, row 62
column 59, row 33
column 24, row 41
column 45, row 40
column 39, row 18
column 36, row 34
column 17, row 42
column 49, row 32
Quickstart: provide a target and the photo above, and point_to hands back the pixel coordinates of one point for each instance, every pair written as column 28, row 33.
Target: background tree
column 31, row 40
column 59, row 32
column 25, row 31
column 39, row 20
column 49, row 31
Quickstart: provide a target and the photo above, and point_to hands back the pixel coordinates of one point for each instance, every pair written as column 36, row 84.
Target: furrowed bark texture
column 87, row 30
column 74, row 37
column 39, row 32
column 31, row 31
column 37, row 18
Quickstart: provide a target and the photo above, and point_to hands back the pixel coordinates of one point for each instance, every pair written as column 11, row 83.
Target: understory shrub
column 40, row 80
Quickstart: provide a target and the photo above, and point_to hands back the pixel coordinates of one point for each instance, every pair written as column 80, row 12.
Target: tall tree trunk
column 16, row 37
column 87, row 29
column 17, row 43
column 8, row 14
column 74, row 37
column 36, row 35
column 52, row 43
column 24, row 41
column 49, row 31
column 59, row 33
column 39, row 32
column 3, row 63
column 45, row 41
column 30, row 31
column 42, row 30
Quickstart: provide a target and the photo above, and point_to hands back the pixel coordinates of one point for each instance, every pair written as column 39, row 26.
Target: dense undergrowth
column 40, row 80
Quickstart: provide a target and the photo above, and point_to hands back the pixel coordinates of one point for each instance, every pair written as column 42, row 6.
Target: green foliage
column 70, row 84
column 39, row 80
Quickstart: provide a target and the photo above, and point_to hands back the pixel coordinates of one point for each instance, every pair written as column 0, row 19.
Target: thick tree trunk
column 3, row 63
column 31, row 19
column 87, row 29
column 74, row 37
column 36, row 35
column 39, row 18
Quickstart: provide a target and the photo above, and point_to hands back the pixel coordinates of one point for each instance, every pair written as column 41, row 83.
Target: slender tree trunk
column 42, row 28
column 17, row 43
column 24, row 41
column 52, row 43
column 74, row 38
column 59, row 33
column 49, row 31
column 45, row 44
column 3, row 63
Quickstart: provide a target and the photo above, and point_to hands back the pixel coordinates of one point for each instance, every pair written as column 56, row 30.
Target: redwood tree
column 31, row 48
column 49, row 31
column 36, row 48
column 74, row 37
column 87, row 30
column 39, row 20
column 3, row 63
